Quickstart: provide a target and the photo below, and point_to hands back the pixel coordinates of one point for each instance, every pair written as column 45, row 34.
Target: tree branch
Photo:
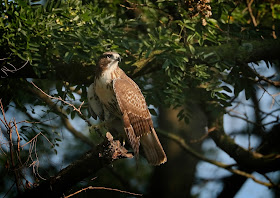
column 181, row 142
column 247, row 159
column 60, row 99
column 249, row 6
column 103, row 188
column 94, row 160
column 62, row 115
column 263, row 78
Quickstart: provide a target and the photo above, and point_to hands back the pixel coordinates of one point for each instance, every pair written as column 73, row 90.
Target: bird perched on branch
column 116, row 99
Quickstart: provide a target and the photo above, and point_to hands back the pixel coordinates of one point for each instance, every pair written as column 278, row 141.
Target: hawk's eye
column 109, row 55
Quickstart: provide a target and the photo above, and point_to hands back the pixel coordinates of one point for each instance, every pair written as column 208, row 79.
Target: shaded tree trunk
column 176, row 177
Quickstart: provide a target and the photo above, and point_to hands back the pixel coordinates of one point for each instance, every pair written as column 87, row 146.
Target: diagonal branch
column 263, row 78
column 103, row 188
column 181, row 142
column 101, row 156
column 62, row 115
column 60, row 99
column 249, row 5
column 248, row 159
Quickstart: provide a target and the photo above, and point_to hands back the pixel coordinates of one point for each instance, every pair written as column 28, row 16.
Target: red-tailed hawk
column 116, row 99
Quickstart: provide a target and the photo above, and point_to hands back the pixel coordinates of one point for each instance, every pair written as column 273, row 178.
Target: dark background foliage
column 209, row 72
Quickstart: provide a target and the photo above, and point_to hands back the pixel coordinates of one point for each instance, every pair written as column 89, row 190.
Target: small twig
column 242, row 118
column 36, row 137
column 63, row 116
column 103, row 188
column 250, row 105
column 273, row 99
column 270, row 114
column 9, row 190
column 33, row 148
column 18, row 137
column 272, row 122
column 47, row 139
column 30, row 140
column 204, row 136
column 273, row 31
column 1, row 59
column 263, row 78
column 9, row 128
column 60, row 99
column 18, row 142
column 274, row 83
column 240, row 115
column 2, row 109
column 10, row 131
column 272, row 95
column 249, row 4
column 269, row 179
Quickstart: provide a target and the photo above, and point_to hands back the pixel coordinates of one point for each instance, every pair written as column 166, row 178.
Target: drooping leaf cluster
column 183, row 51
column 177, row 51
column 173, row 35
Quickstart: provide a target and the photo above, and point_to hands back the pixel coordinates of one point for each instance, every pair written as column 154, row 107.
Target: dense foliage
column 179, row 52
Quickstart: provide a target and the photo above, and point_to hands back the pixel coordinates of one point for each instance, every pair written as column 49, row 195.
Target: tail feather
column 152, row 148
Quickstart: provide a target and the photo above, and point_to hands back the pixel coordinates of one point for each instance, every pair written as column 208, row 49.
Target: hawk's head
column 108, row 59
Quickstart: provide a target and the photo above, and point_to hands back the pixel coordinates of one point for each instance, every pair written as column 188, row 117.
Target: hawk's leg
column 112, row 125
column 99, row 128
column 115, row 126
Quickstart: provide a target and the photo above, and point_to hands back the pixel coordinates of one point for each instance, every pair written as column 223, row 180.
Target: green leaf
column 71, row 95
column 153, row 112
column 165, row 64
column 68, row 56
column 73, row 114
column 226, row 88
column 186, row 119
column 191, row 49
column 76, row 18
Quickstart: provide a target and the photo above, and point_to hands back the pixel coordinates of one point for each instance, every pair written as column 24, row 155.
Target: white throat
column 108, row 75
column 113, row 65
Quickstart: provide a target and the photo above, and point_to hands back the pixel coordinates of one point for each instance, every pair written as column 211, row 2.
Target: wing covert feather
column 132, row 102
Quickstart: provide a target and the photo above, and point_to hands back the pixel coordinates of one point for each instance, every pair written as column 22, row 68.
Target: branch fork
column 113, row 149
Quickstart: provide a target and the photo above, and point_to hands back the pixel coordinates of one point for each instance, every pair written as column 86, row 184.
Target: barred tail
column 152, row 148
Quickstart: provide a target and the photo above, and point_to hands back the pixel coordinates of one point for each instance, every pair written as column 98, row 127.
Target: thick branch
column 87, row 165
column 181, row 142
column 232, row 185
column 247, row 159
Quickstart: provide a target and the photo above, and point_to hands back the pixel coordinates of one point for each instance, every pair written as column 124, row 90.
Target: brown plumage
column 114, row 96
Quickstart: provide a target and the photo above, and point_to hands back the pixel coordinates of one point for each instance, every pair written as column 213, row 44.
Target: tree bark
column 94, row 160
column 251, row 160
column 175, row 178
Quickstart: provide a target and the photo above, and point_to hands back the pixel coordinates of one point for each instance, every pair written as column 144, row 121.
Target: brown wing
column 136, row 116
